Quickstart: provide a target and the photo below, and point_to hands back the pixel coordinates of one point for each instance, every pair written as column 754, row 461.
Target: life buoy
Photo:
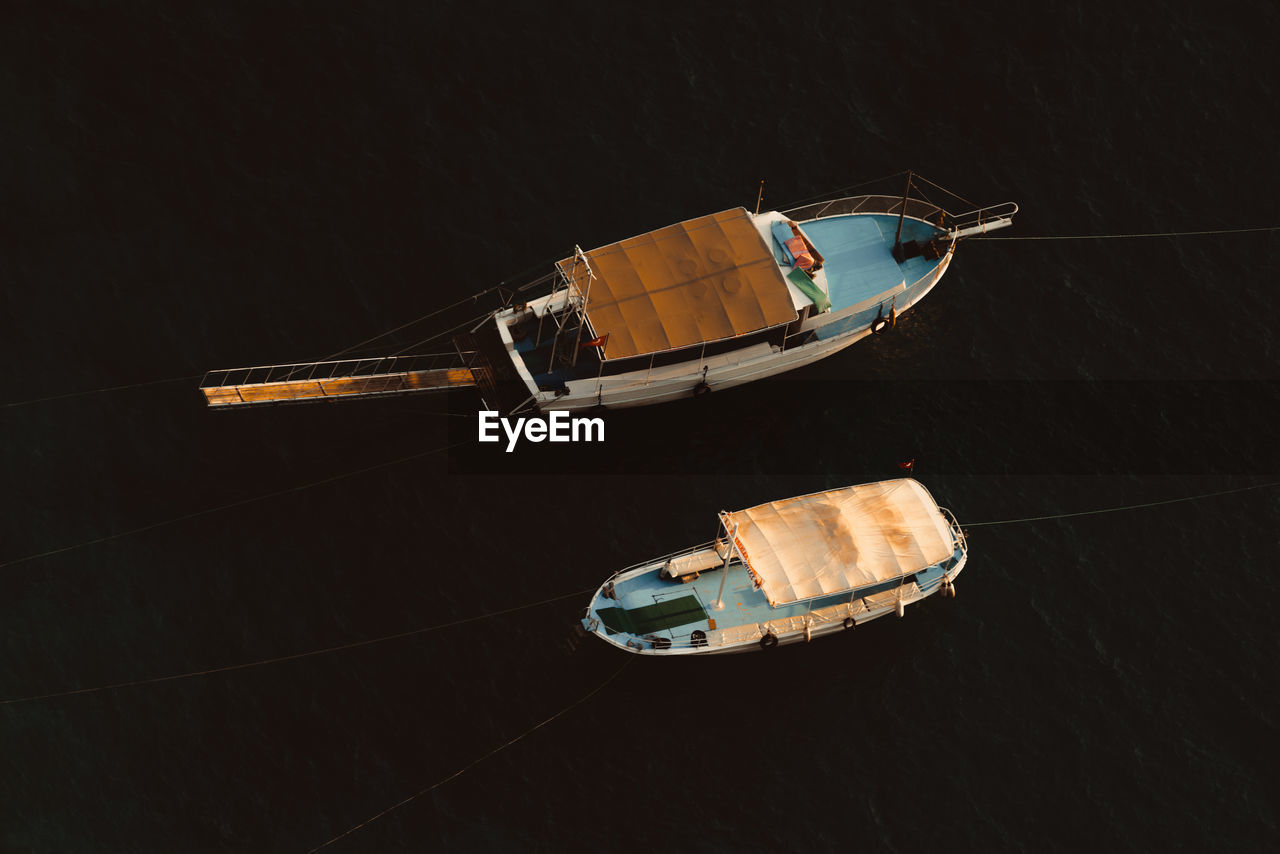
column 769, row 641
column 698, row 638
column 849, row 622
column 700, row 389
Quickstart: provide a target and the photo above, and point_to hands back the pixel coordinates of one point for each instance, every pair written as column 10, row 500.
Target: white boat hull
column 724, row 371
column 822, row 626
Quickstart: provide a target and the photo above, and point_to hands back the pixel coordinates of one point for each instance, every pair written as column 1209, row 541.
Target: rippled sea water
column 189, row 189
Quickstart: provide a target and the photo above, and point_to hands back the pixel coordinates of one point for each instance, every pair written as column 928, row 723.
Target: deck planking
column 338, row 387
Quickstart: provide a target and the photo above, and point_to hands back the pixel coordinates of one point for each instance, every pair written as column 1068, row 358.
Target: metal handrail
column 984, row 216
column 675, row 643
column 875, row 204
column 341, row 368
column 957, row 533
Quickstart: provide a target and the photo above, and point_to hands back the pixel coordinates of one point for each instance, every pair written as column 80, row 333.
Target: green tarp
column 801, row 280
column 653, row 618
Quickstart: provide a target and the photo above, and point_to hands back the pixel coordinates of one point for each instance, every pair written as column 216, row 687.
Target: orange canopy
column 702, row 280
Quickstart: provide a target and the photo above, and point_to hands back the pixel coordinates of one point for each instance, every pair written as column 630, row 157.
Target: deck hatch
column 653, row 618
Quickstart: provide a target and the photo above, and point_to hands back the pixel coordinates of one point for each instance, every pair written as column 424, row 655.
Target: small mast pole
column 760, row 196
column 718, row 605
column 897, row 238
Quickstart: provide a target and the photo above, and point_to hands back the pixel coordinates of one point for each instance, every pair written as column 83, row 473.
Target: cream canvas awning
column 835, row 541
column 706, row 279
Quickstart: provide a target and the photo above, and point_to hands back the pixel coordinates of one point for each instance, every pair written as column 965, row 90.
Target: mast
column 897, row 238
column 582, row 311
column 730, row 545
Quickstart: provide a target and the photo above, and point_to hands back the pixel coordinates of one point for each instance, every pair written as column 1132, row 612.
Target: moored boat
column 725, row 299
column 706, row 304
column 786, row 572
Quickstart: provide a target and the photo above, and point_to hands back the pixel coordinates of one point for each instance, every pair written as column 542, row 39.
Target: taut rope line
column 466, row 768
column 1118, row 509
column 240, row 503
column 102, row 390
column 1151, row 234
column 280, row 658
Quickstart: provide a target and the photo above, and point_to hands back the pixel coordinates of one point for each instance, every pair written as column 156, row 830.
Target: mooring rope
column 1118, row 509
column 1119, row 236
column 241, row 503
column 466, row 768
column 102, row 390
column 226, row 668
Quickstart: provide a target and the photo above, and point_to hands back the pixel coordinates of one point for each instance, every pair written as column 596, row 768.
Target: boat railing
column 982, row 219
column 812, row 618
column 332, row 370
column 916, row 208
column 957, row 533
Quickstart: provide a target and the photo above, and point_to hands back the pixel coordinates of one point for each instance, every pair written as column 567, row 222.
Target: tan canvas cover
column 706, row 279
column 835, row 541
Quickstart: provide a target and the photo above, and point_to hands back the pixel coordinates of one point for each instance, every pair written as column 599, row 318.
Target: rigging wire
column 1152, row 234
column 241, row 503
column 945, row 190
column 466, row 768
column 1118, row 509
column 821, row 196
column 101, row 390
column 464, row 324
column 297, row 655
column 472, row 298
column 428, row 316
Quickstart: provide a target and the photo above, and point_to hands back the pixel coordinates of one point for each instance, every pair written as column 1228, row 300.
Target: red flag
column 595, row 342
column 909, row 466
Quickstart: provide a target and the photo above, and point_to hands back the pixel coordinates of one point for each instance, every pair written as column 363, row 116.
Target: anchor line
column 1119, row 509
column 297, row 655
column 241, row 503
column 466, row 768
column 1151, row 234
column 101, row 390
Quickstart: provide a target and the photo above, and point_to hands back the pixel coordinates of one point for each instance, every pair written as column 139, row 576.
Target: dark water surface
column 187, row 189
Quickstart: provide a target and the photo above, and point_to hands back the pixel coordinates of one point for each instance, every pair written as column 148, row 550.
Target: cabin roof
column 841, row 539
column 697, row 281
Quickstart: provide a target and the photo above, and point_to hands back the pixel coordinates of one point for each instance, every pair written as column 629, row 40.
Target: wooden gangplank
column 337, row 388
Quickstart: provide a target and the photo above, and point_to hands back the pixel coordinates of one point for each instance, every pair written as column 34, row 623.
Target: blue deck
column 859, row 254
